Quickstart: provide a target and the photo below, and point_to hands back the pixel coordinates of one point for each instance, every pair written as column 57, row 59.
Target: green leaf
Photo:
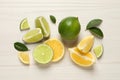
column 20, row 46
column 94, row 23
column 97, row 32
column 53, row 19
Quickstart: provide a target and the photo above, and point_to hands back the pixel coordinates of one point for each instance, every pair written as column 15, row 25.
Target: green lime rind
column 42, row 23
column 94, row 23
column 53, row 19
column 69, row 28
column 98, row 50
column 20, row 46
column 24, row 25
column 43, row 54
column 33, row 36
column 97, row 32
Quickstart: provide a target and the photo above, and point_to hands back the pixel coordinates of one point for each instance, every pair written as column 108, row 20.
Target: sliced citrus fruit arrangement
column 98, row 51
column 24, row 24
column 42, row 23
column 33, row 36
column 58, row 49
column 24, row 57
column 86, row 44
column 43, row 54
column 84, row 60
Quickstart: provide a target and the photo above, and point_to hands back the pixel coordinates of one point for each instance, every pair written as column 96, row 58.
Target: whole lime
column 69, row 28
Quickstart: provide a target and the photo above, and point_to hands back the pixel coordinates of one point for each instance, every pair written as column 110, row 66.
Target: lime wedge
column 24, row 24
column 98, row 51
column 43, row 54
column 42, row 23
column 33, row 36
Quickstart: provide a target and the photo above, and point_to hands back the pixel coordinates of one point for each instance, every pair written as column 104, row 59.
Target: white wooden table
column 13, row 11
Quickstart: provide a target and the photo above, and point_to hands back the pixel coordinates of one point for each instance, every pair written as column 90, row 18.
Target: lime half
column 24, row 24
column 43, row 54
column 33, row 36
column 98, row 51
column 42, row 23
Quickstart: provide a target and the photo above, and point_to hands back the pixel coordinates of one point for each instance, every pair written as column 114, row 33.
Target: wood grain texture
column 13, row 11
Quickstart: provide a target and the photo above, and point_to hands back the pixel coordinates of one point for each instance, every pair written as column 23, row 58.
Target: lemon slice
column 24, row 24
column 24, row 57
column 57, row 47
column 33, row 36
column 42, row 23
column 84, row 60
column 98, row 51
column 86, row 44
column 43, row 54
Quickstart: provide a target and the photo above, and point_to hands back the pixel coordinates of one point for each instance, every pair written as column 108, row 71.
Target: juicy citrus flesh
column 84, row 60
column 69, row 28
column 43, row 54
column 57, row 47
column 33, row 36
column 98, row 51
column 86, row 44
column 24, row 24
column 42, row 23
column 24, row 57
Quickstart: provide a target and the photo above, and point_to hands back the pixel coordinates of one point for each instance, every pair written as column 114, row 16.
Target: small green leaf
column 53, row 19
column 96, row 32
column 20, row 46
column 94, row 23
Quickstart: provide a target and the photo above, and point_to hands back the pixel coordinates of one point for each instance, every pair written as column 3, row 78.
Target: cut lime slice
column 43, row 54
column 98, row 51
column 33, row 36
column 24, row 24
column 42, row 23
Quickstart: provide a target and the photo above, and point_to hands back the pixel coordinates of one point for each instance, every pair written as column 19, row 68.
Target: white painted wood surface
column 13, row 11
